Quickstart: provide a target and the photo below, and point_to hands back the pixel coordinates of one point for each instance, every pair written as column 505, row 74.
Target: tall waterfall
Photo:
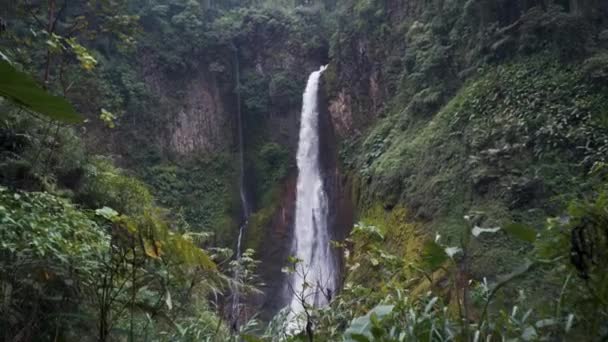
column 236, row 296
column 311, row 244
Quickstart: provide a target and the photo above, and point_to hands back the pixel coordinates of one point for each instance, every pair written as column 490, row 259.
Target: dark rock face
column 340, row 202
column 360, row 97
column 201, row 124
column 181, row 115
column 341, row 207
column 276, row 249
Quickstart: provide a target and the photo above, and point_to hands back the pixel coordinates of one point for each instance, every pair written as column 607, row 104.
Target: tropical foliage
column 472, row 140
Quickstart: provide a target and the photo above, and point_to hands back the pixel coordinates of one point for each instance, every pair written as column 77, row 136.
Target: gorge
column 184, row 170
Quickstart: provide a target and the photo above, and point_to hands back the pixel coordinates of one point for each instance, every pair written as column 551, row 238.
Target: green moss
column 330, row 80
column 201, row 190
column 259, row 221
column 271, row 163
column 397, row 235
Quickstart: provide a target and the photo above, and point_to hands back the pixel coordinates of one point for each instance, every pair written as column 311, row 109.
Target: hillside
column 152, row 183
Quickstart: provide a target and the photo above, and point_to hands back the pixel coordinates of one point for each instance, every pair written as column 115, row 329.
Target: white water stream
column 314, row 281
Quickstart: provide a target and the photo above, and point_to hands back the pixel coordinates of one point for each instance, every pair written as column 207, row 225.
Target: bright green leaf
column 107, row 213
column 433, row 255
column 19, row 88
column 360, row 327
column 359, row 338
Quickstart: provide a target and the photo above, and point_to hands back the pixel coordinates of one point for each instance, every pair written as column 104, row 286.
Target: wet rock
column 525, row 193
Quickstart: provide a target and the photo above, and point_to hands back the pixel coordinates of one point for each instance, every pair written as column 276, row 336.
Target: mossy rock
column 399, row 236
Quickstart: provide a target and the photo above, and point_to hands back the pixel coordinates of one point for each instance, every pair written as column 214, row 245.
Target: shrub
column 271, row 165
column 106, row 185
column 596, row 67
column 48, row 248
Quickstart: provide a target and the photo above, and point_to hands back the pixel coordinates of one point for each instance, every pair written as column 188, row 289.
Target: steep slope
column 461, row 114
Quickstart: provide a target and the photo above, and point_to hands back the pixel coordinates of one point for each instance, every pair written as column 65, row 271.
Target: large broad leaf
column 360, row 328
column 19, row 88
column 152, row 248
column 107, row 213
column 521, row 231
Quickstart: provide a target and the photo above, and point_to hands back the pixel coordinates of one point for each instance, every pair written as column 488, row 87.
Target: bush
column 285, row 90
column 596, row 68
column 255, row 95
column 106, row 185
column 48, row 248
column 201, row 191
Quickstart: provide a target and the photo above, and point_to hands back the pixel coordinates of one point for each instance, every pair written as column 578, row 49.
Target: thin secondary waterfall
column 315, row 278
column 235, row 310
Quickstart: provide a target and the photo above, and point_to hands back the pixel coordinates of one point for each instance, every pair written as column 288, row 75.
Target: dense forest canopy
column 150, row 169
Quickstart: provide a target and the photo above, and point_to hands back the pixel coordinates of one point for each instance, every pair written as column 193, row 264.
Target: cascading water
column 315, row 278
column 235, row 309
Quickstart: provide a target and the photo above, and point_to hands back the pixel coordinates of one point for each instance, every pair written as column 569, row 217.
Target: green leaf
column 360, row 328
column 433, row 255
column 107, row 213
column 19, row 88
column 359, row 338
column 151, row 248
column 374, row 261
column 376, row 330
column 521, row 231
column 293, row 260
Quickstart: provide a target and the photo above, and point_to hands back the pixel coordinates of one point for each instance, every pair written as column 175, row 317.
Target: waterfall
column 242, row 192
column 235, row 309
column 311, row 245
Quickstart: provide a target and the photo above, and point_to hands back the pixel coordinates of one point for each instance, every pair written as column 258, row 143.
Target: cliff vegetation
column 466, row 138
